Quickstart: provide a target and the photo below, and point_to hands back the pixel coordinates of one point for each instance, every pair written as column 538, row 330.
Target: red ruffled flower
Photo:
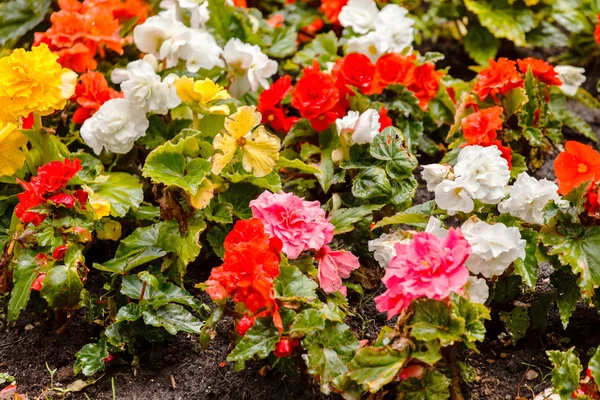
column 480, row 127
column 269, row 105
column 81, row 196
column 244, row 325
column 332, row 9
column 55, row 175
column 384, row 120
column 579, row 163
column 393, row 68
column 29, row 199
column 597, row 30
column 356, row 70
column 540, row 69
column 90, row 94
column 317, row 97
column 499, row 78
column 425, row 84
column 251, row 263
column 63, row 199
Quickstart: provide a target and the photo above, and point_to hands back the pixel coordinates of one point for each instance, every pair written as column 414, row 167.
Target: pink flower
column 299, row 224
column 428, row 266
column 333, row 266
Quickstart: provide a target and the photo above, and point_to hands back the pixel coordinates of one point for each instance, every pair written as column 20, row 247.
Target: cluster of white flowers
column 198, row 10
column 528, row 197
column 571, row 77
column 480, row 174
column 363, row 127
column 384, row 247
column 387, row 30
column 249, row 65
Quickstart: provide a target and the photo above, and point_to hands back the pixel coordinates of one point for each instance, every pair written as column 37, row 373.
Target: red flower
column 27, row 122
column 251, row 263
column 55, row 175
column 63, row 199
column 276, row 21
column 592, row 205
column 597, row 30
column 393, row 68
column 81, row 196
column 384, row 120
column 59, row 252
column 244, row 325
column 540, row 69
column 240, row 3
column 308, row 32
column 356, row 70
column 90, row 94
column 499, row 78
column 425, row 84
column 481, row 126
column 505, row 150
column 332, row 9
column 317, row 97
column 37, row 284
column 285, row 347
column 412, row 371
column 28, row 199
column 579, row 163
column 269, row 105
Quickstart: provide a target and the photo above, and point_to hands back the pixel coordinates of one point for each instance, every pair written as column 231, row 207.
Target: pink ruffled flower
column 333, row 266
column 429, row 266
column 301, row 225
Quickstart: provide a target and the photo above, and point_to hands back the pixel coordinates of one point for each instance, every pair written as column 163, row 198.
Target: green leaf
column 405, row 103
column 594, row 366
column 374, row 367
column 121, row 190
column 221, row 213
column 300, row 130
column 566, row 372
column 432, row 386
column 433, row 320
column 17, row 17
column 259, row 341
column 568, row 293
column 328, row 353
column 534, row 136
column 514, row 100
column 284, row 43
column 403, row 191
column 130, row 312
column 540, row 309
column 503, row 20
column 24, row 273
column 307, row 322
column 322, row 48
column 547, row 36
column 61, row 287
column 297, row 164
column 344, row 218
column 474, row 315
column 516, row 323
column 173, row 318
column 418, row 220
column 481, row 45
column 507, row 289
column 90, row 359
column 388, row 146
column 528, row 268
column 157, row 297
column 270, row 182
column 291, row 284
column 575, row 122
column 239, row 195
column 371, row 183
column 216, row 237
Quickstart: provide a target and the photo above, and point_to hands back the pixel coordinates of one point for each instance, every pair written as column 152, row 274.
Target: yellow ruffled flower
column 100, row 206
column 11, row 141
column 33, row 81
column 204, row 92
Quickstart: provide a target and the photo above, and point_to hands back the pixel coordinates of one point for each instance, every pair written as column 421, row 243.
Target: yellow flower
column 100, row 206
column 11, row 140
column 260, row 148
column 33, row 81
column 204, row 92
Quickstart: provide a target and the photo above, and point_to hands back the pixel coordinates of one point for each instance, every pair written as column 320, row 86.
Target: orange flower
column 332, row 9
column 597, row 30
column 481, row 126
column 90, row 94
column 425, row 84
column 500, row 77
column 540, row 69
column 579, row 163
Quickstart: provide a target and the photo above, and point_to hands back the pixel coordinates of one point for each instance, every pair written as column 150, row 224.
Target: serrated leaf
column 432, row 386
column 90, row 359
column 239, row 196
column 174, row 318
column 298, row 165
column 528, row 268
column 374, row 367
column 481, row 45
column 291, row 284
column 307, row 322
column 433, row 320
column 594, row 366
column 388, row 146
column 418, row 220
column 24, row 273
column 322, row 48
column 503, row 20
column 474, row 315
column 567, row 292
column 371, row 183
column 17, row 17
column 344, row 218
column 121, row 190
column 259, row 341
column 271, row 182
column 221, row 213
column 540, row 309
column 61, row 287
column 516, row 323
column 566, row 372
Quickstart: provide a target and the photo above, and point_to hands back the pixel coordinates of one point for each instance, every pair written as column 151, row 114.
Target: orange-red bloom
column 579, row 163
column 597, row 30
column 332, row 9
column 269, row 105
column 425, row 84
column 393, row 68
column 499, row 78
column 356, row 70
column 540, row 69
column 90, row 94
column 480, row 127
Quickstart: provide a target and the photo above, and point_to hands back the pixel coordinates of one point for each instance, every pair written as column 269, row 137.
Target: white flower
column 363, row 128
column 434, row 226
column 158, row 31
column 144, row 87
column 201, row 51
column 384, row 247
column 571, row 78
column 453, row 197
column 346, row 124
column 483, row 173
column 477, row 289
column 198, row 10
column 393, row 23
column 434, row 174
column 115, row 127
column 250, row 65
column 528, row 197
column 493, row 247
column 360, row 15
column 373, row 45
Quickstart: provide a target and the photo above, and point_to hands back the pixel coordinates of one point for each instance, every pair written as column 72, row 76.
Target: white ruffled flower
column 198, row 10
column 392, row 21
column 434, row 226
column 528, row 197
column 477, row 289
column 363, row 128
column 252, row 67
column 201, row 51
column 483, row 173
column 144, row 87
column 434, row 174
column 384, row 247
column 493, row 247
column 115, row 127
column 160, row 36
column 453, row 197
column 373, row 45
column 359, row 15
column 571, row 78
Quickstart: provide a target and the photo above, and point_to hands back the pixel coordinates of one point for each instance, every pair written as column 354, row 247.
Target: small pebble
column 531, row 375
column 503, row 355
column 490, row 361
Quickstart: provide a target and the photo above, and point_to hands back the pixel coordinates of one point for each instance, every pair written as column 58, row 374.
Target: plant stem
column 37, row 122
column 196, row 121
column 455, row 392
